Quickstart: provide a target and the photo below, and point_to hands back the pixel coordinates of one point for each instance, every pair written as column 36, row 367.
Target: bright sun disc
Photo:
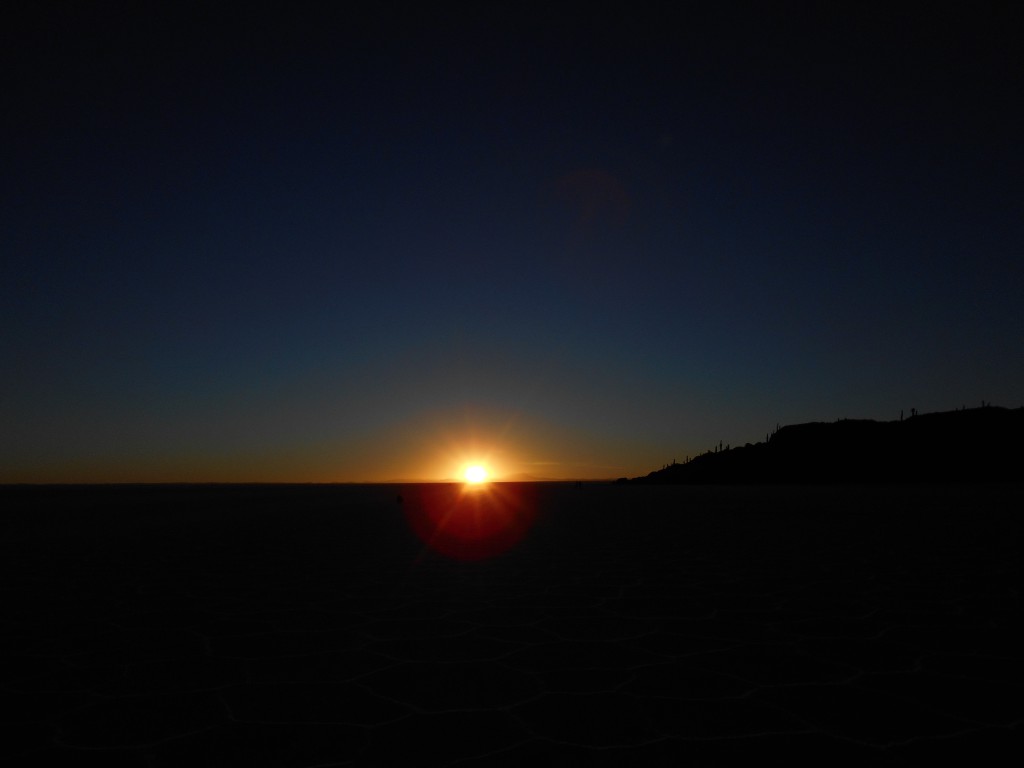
column 475, row 474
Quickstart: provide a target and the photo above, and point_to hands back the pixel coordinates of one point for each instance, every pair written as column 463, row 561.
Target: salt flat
column 313, row 625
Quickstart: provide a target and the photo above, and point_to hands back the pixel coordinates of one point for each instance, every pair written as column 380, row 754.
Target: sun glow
column 475, row 474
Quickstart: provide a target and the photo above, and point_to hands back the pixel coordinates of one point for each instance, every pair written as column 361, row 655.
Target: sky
column 268, row 243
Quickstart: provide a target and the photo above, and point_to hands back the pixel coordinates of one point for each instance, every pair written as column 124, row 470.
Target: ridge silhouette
column 969, row 445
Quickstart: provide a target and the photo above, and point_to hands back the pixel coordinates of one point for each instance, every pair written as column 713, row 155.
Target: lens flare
column 470, row 522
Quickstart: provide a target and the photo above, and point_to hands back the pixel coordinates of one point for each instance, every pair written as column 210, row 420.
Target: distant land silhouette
column 969, row 445
column 524, row 477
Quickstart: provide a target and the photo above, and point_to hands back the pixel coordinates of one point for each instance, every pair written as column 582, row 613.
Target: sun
column 475, row 474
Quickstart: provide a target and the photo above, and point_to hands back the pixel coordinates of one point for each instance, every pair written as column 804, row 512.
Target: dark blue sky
column 268, row 244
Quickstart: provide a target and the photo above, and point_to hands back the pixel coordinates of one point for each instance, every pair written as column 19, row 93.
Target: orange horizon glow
column 436, row 447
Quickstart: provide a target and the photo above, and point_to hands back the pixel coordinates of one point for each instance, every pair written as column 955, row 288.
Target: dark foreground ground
column 308, row 626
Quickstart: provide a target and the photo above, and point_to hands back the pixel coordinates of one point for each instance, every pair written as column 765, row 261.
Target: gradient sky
column 272, row 245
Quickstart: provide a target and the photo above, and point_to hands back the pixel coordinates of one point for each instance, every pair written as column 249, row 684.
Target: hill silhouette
column 971, row 445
